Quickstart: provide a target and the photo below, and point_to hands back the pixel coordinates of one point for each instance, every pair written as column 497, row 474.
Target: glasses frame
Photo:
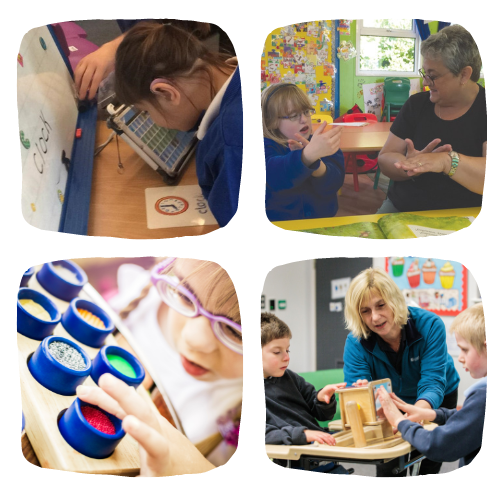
column 157, row 277
column 432, row 79
column 307, row 113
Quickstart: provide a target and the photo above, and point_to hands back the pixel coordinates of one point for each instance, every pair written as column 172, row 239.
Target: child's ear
column 166, row 90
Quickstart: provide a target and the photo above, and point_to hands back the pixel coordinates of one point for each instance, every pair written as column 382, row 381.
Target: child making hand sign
column 304, row 171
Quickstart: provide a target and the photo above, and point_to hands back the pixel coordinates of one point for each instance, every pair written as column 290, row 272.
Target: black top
column 418, row 121
column 292, row 406
column 394, row 357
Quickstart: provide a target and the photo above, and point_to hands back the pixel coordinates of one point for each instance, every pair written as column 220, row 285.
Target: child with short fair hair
column 460, row 433
column 292, row 404
column 304, row 171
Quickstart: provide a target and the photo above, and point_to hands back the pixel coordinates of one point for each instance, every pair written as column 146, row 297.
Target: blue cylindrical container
column 26, row 277
column 82, row 331
column 59, row 286
column 101, row 365
column 86, row 439
column 52, row 374
column 31, row 326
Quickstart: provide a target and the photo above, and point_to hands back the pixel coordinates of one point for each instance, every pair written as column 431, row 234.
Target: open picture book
column 398, row 226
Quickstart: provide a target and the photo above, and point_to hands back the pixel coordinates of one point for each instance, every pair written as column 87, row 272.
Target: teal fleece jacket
column 428, row 371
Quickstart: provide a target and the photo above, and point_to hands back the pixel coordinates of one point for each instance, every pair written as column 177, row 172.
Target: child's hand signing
column 322, row 143
column 328, row 391
column 320, row 437
column 412, row 412
column 164, row 451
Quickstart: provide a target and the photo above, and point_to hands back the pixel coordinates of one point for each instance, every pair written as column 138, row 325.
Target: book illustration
column 447, row 275
column 397, row 226
column 429, row 270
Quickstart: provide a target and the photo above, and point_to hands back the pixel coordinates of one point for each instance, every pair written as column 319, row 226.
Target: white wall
column 295, row 283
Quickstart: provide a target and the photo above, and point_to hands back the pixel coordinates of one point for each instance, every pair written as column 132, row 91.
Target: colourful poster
column 437, row 285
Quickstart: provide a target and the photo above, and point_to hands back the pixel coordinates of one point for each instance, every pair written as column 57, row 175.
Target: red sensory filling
column 98, row 420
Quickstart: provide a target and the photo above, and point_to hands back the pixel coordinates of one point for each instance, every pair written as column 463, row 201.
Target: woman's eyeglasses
column 429, row 78
column 184, row 301
column 296, row 116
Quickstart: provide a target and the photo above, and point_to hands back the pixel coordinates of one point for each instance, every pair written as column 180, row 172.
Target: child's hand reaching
column 412, row 412
column 320, row 437
column 322, row 143
column 164, row 451
column 328, row 391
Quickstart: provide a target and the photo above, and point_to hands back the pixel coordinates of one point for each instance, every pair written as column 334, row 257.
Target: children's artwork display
column 373, row 94
column 437, row 285
column 47, row 120
column 302, row 54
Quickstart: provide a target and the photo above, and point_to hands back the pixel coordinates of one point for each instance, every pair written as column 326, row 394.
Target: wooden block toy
column 46, row 409
column 358, row 411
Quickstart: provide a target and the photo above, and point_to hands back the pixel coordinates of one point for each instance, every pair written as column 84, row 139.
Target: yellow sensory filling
column 35, row 309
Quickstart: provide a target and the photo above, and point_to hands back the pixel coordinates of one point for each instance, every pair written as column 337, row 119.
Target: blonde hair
column 469, row 324
column 362, row 287
column 281, row 99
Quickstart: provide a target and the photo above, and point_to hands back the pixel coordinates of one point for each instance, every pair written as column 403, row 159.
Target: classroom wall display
column 302, row 54
column 47, row 120
column 437, row 285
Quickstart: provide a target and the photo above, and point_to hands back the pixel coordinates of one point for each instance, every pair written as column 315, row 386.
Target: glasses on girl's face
column 296, row 116
column 185, row 302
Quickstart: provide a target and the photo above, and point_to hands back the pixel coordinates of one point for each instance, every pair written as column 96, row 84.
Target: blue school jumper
column 291, row 190
column 428, row 371
column 459, row 435
column 219, row 154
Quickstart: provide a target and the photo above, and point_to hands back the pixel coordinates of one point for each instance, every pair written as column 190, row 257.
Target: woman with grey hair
column 436, row 150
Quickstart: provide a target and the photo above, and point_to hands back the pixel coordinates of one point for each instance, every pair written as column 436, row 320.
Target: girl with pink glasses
column 187, row 328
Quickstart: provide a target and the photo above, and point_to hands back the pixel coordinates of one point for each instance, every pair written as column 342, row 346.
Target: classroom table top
column 294, row 452
column 371, row 137
column 296, row 225
column 117, row 201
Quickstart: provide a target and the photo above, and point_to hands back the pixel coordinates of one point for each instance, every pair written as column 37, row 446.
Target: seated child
column 460, row 433
column 292, row 404
column 304, row 171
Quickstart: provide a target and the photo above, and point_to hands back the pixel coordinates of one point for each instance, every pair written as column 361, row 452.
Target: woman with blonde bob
column 388, row 339
column 304, row 171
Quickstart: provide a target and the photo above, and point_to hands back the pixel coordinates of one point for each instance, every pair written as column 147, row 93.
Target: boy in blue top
column 459, row 433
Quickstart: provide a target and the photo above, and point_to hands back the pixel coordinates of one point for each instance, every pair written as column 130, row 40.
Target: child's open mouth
column 192, row 368
column 303, row 130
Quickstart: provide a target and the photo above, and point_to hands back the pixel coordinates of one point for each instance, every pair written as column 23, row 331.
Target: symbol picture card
column 177, row 206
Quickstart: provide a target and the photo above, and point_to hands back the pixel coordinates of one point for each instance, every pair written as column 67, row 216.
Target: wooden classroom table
column 342, row 453
column 370, row 137
column 118, row 201
column 296, row 225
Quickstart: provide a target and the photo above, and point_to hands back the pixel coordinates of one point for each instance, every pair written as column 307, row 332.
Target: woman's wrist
column 446, row 163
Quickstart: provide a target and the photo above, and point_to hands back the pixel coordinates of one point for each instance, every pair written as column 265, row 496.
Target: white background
column 249, row 473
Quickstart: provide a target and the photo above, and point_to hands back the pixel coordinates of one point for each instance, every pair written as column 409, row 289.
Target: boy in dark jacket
column 292, row 404
column 459, row 433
